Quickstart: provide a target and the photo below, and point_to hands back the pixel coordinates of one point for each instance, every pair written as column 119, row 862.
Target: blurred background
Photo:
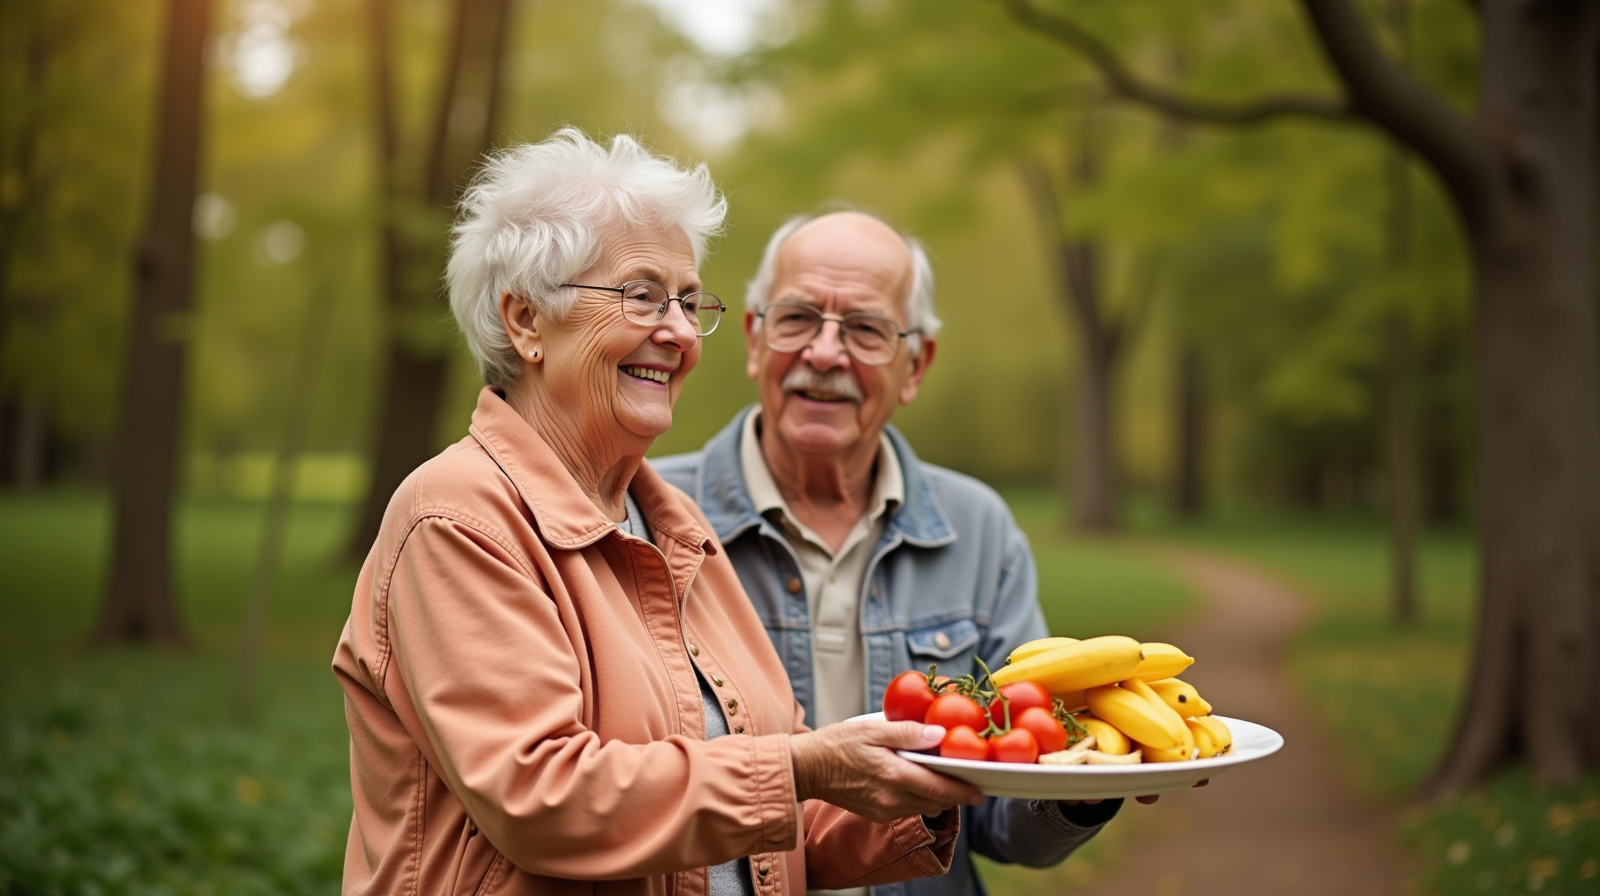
column 223, row 342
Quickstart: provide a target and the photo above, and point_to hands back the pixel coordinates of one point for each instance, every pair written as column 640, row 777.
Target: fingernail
column 933, row 732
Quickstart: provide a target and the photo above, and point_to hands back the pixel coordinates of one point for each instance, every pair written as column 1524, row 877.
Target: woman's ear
column 521, row 323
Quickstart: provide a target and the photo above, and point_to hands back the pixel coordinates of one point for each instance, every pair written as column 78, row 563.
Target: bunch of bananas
column 1137, row 709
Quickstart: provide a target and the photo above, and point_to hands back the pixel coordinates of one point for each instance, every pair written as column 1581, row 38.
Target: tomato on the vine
column 1016, row 745
column 962, row 742
column 951, row 710
column 1023, row 695
column 907, row 698
column 1044, row 728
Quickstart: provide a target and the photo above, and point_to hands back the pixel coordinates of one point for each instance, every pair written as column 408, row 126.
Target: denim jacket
column 951, row 579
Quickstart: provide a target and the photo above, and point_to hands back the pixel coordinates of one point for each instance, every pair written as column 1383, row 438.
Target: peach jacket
column 524, row 717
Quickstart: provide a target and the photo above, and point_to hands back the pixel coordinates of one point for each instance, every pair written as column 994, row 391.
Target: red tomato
column 961, row 742
column 950, row 710
column 1022, row 694
column 1044, row 728
column 907, row 698
column 1016, row 745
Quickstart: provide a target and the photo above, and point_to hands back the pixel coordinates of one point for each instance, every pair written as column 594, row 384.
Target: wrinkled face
column 819, row 400
column 617, row 381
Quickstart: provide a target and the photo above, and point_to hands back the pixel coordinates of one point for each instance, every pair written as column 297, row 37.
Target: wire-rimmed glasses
column 869, row 338
column 645, row 302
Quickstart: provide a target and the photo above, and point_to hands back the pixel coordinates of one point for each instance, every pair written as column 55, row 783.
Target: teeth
column 645, row 373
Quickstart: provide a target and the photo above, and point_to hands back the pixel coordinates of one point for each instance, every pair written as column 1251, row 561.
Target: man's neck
column 827, row 493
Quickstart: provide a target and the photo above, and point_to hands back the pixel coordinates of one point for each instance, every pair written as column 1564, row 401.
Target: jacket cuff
column 772, row 781
column 1074, row 819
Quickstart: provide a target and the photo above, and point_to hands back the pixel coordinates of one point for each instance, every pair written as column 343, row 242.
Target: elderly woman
column 553, row 680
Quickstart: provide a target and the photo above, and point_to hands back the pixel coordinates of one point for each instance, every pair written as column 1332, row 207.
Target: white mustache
column 806, row 379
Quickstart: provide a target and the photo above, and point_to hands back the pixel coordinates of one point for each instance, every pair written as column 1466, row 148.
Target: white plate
column 1090, row 782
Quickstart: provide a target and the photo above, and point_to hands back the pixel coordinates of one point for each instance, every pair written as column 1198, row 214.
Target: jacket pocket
column 951, row 644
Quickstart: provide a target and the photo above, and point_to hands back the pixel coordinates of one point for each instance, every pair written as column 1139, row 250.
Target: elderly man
column 862, row 560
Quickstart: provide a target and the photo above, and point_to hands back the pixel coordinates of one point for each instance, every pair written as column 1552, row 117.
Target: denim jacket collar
column 722, row 494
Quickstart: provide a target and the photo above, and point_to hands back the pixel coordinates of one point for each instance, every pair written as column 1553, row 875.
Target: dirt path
column 1285, row 826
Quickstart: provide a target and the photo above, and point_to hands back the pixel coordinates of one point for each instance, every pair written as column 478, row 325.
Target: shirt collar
column 888, row 489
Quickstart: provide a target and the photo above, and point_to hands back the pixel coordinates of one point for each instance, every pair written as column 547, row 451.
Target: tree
column 1522, row 179
column 139, row 604
column 417, row 207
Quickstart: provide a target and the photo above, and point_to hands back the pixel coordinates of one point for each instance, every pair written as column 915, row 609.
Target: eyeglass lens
column 645, row 302
column 869, row 338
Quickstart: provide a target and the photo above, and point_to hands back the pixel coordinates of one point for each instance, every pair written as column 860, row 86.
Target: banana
column 1184, row 751
column 1074, row 701
column 1075, row 667
column 1137, row 712
column 1181, row 696
column 1211, row 736
column 1161, row 661
column 1107, row 738
column 1038, row 646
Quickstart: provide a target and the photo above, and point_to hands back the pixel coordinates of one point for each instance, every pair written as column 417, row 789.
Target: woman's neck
column 602, row 466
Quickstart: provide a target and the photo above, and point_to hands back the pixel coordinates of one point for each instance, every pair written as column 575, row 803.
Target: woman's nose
column 676, row 327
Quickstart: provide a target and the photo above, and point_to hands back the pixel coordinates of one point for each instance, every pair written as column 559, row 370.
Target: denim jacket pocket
column 955, row 641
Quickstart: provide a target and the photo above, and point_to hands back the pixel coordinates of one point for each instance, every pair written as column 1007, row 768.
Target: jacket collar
column 565, row 517
column 723, row 496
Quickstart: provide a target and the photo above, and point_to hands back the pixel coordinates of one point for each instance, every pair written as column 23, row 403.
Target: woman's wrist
column 803, row 758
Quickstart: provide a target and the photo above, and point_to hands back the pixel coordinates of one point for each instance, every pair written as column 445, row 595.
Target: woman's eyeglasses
column 645, row 302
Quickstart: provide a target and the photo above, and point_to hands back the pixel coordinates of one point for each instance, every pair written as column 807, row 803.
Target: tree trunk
column 1188, row 475
column 29, row 443
column 1094, row 477
column 463, row 129
column 1536, row 666
column 139, row 603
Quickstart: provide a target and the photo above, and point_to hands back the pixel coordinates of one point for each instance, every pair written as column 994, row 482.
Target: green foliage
column 1514, row 836
column 125, row 775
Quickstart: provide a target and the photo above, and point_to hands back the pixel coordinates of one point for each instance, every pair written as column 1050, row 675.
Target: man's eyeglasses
column 870, row 339
column 645, row 302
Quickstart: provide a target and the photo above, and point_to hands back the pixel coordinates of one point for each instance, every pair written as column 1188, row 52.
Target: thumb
column 910, row 735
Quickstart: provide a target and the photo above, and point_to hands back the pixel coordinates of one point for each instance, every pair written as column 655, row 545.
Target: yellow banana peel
column 1139, row 714
column 1161, row 661
column 1211, row 736
column 1038, row 646
column 1107, row 739
column 1181, row 696
column 1075, row 667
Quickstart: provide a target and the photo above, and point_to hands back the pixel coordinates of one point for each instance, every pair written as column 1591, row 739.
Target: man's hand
column 853, row 765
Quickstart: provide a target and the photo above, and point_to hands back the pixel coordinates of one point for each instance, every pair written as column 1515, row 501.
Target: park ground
column 126, row 771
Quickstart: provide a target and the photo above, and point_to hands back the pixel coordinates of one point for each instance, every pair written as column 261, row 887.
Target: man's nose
column 827, row 350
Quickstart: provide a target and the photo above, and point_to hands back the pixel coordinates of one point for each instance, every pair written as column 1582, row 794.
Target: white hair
column 919, row 303
column 532, row 220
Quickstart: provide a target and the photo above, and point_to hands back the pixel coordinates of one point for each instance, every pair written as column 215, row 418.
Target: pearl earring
column 533, row 355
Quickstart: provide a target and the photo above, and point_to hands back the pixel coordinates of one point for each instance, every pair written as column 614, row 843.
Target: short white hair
column 532, row 220
column 919, row 303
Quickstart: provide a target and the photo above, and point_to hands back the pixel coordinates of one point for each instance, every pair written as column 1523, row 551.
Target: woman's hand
column 853, row 765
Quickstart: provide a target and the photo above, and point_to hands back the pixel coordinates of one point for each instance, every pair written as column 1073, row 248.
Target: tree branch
column 1126, row 84
column 1388, row 96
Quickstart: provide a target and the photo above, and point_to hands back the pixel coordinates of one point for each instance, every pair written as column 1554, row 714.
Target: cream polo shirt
column 834, row 583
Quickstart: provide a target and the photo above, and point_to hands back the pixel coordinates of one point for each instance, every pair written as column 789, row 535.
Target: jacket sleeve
column 1035, row 833
column 484, row 660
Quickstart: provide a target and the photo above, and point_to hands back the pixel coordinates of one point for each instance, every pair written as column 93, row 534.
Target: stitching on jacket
column 383, row 586
column 644, row 609
column 419, row 805
column 492, row 876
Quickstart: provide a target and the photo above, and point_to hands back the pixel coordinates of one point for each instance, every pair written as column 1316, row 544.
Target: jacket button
column 762, row 871
column 793, row 585
column 738, row 729
column 941, row 641
column 716, row 681
column 733, row 705
column 694, row 650
column 873, row 593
